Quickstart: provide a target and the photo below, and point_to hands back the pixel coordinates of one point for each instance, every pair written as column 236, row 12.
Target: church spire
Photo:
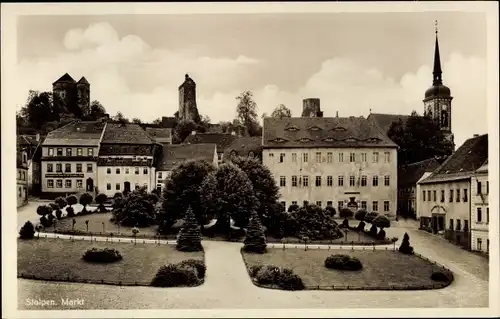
column 437, row 72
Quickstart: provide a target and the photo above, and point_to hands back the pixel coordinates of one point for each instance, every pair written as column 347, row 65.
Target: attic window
column 329, row 139
column 305, row 140
column 292, row 129
column 279, row 140
column 315, row 128
column 350, row 139
column 373, row 140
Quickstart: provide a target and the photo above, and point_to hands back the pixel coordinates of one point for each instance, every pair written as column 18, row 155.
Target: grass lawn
column 351, row 236
column 381, row 268
column 59, row 259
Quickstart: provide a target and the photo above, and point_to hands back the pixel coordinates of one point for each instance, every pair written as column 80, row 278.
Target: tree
column 182, row 130
column 255, row 239
column 100, row 199
column 190, row 235
column 182, row 190
column 136, row 120
column 72, row 200
column 61, row 203
column 264, row 187
column 293, row 208
column 97, row 111
column 419, row 138
column 281, row 111
column 85, row 199
column 120, row 118
column 381, row 222
column 311, row 221
column 27, row 231
column 39, row 109
column 360, row 215
column 405, row 247
column 246, row 111
column 345, row 213
column 135, row 209
column 330, row 210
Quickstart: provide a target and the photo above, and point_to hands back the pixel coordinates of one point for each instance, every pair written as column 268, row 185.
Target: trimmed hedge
column 283, row 278
column 343, row 262
column 440, row 276
column 106, row 255
column 195, row 263
column 186, row 273
column 27, row 231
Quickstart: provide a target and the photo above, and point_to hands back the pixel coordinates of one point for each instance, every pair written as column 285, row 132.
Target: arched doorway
column 126, row 187
column 89, row 185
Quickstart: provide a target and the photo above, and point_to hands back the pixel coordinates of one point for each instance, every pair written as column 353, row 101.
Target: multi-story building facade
column 173, row 155
column 126, row 159
column 69, row 158
column 480, row 188
column 32, row 145
column 332, row 162
column 444, row 198
column 22, row 177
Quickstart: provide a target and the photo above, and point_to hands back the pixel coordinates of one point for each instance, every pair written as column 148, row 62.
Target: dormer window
column 292, row 129
column 350, row 139
column 315, row 128
column 339, row 129
column 305, row 140
column 373, row 140
column 279, row 140
column 329, row 139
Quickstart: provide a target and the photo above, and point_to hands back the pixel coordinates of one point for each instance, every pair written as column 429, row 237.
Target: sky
column 352, row 62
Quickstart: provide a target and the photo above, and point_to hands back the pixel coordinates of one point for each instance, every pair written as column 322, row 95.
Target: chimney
column 476, row 135
column 38, row 137
column 337, row 114
column 193, row 132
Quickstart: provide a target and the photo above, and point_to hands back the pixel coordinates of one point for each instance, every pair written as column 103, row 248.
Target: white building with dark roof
column 332, row 161
column 480, row 189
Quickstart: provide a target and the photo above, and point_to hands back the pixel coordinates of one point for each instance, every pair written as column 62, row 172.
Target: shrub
column 343, row 262
column 254, row 270
column 44, row 221
column 199, row 265
column 272, row 275
column 27, row 231
column 255, row 240
column 106, row 255
column 174, row 275
column 85, row 199
column 370, row 217
column 381, row 234
column 100, row 199
column 290, row 281
column 361, row 226
column 190, row 235
column 329, row 210
column 440, row 276
column 293, row 208
column 311, row 221
column 71, row 211
column 71, row 200
column 405, row 247
column 360, row 215
column 373, row 231
column 345, row 213
column 61, row 203
column 134, row 209
column 58, row 214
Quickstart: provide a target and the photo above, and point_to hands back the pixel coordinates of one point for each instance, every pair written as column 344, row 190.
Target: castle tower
column 64, row 93
column 188, row 111
column 83, row 96
column 311, row 108
column 437, row 101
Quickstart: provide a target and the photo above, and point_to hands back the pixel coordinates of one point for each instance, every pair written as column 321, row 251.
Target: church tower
column 188, row 111
column 437, row 101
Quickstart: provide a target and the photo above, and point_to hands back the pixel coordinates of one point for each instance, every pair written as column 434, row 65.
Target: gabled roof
column 78, row 133
column 483, row 168
column 159, row 134
column 125, row 133
column 244, row 145
column 83, row 80
column 465, row 161
column 384, row 121
column 66, row 78
column 222, row 140
column 171, row 155
column 409, row 175
column 310, row 132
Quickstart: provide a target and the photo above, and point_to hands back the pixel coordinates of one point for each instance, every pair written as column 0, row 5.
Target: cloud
column 128, row 75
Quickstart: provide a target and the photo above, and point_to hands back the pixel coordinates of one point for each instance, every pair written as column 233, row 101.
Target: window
column 479, row 243
column 59, row 152
column 329, row 203
column 79, row 183
column 50, row 183
column 466, row 225
column 67, row 168
column 294, row 181
column 352, row 157
column 68, row 152
column 318, row 203
column 442, row 196
column 375, row 206
column 487, row 187
column 329, row 181
column 318, row 181
column 305, row 181
column 159, row 175
column 117, row 171
column 282, row 181
column 108, row 186
column 282, row 157
column 294, row 157
column 79, row 152
column 59, row 183
column 137, row 171
column 375, row 181
column 459, row 225
column 451, row 223
column 387, row 180
column 304, row 203
column 318, row 157
column 375, row 157
column 451, row 195
column 89, row 168
column 466, row 198
column 305, row 157
column 341, row 157
column 79, row 168
column 423, row 196
column 20, row 193
column 329, row 157
column 363, row 181
column 25, row 158
column 136, row 185
column 363, row 204
column 479, row 188
column 386, row 206
column 429, row 196
column 145, row 170
column 363, row 157
column 219, row 156
column 487, row 215
column 340, row 204
column 50, row 168
column 352, row 181
column 90, row 151
column 127, row 171
column 294, row 202
column 458, row 195
column 271, row 155
column 479, row 215
column 387, row 157
column 434, row 195
column 68, row 183
column 341, row 181
column 283, row 204
column 59, row 168
column 145, row 186
column 108, row 170
column 51, row 152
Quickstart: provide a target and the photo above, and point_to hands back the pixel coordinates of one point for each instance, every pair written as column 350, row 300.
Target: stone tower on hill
column 72, row 96
column 188, row 111
column 311, row 108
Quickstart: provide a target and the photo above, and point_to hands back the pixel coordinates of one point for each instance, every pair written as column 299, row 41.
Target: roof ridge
column 419, row 162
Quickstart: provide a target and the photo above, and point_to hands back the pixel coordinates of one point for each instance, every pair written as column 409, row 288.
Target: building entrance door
column 90, row 185
column 126, row 187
